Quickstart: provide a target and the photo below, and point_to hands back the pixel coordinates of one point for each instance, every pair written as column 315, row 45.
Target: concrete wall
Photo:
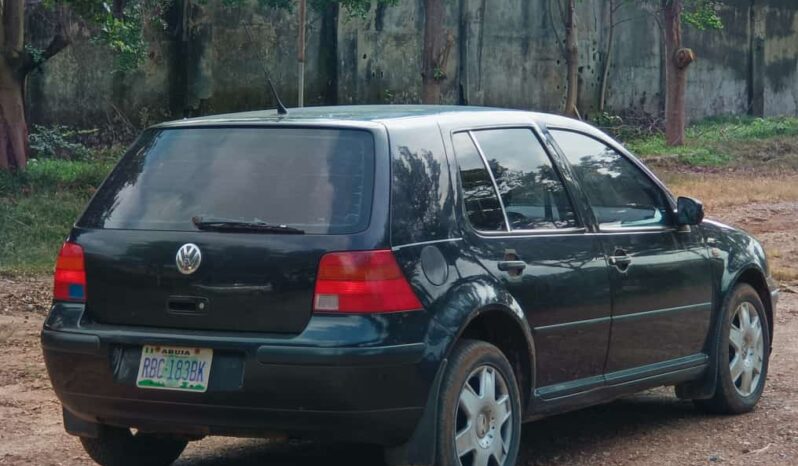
column 504, row 53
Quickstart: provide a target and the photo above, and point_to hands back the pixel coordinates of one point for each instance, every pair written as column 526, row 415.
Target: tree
column 612, row 23
column 571, row 61
column 570, row 51
column 435, row 52
column 16, row 62
column 112, row 25
column 116, row 23
column 702, row 15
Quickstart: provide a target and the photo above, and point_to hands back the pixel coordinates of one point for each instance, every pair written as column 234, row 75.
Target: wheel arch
column 501, row 326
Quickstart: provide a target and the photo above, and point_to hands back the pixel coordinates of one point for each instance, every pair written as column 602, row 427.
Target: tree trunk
column 605, row 74
column 13, row 128
column 677, row 61
column 431, row 68
column 15, row 65
column 572, row 61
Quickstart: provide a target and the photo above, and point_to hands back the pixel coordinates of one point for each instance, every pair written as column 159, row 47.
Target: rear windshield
column 317, row 180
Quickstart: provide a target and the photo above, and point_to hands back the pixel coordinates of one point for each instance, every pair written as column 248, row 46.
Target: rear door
column 317, row 184
column 531, row 239
column 661, row 280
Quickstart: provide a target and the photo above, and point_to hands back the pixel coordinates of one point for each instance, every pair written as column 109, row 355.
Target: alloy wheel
column 484, row 415
column 746, row 349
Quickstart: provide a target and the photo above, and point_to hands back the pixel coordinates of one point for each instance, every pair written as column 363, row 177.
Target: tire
column 736, row 392
column 491, row 431
column 119, row 447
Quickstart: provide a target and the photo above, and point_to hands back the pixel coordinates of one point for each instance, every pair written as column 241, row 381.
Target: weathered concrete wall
column 781, row 57
column 504, row 53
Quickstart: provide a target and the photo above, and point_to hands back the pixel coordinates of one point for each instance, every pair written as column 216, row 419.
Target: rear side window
column 317, row 180
column 533, row 195
column 620, row 194
column 479, row 196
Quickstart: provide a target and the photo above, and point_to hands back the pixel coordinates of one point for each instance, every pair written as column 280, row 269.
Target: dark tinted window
column 531, row 190
column 318, row 180
column 481, row 202
column 621, row 195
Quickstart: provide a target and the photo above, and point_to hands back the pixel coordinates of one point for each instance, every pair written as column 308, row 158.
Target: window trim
column 492, row 179
column 645, row 171
column 581, row 228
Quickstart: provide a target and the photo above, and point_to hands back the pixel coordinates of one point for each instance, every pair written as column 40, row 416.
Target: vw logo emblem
column 188, row 258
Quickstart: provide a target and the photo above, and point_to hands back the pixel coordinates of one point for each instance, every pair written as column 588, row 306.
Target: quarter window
column 620, row 194
column 479, row 196
column 533, row 195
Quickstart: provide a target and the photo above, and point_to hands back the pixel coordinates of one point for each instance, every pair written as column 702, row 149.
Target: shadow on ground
column 556, row 440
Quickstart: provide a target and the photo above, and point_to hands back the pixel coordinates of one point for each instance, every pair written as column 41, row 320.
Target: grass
column 724, row 141
column 725, row 162
column 717, row 190
column 38, row 207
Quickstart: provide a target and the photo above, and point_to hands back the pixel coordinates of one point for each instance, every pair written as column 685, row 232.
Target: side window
column 533, row 195
column 481, row 202
column 620, row 194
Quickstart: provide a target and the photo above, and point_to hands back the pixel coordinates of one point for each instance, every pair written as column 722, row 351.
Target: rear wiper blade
column 223, row 224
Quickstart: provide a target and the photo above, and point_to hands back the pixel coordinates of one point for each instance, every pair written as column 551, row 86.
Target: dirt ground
column 649, row 428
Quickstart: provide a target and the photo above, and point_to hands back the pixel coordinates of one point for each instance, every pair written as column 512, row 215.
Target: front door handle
column 620, row 259
column 512, row 266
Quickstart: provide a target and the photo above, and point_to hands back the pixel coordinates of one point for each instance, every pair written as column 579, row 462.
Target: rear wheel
column 480, row 411
column 744, row 348
column 120, row 447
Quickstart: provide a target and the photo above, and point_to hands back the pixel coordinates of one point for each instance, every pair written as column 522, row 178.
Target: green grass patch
column 38, row 208
column 715, row 142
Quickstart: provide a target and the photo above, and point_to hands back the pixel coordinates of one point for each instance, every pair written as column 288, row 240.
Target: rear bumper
column 257, row 386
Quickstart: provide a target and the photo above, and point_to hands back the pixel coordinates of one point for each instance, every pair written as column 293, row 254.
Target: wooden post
column 301, row 54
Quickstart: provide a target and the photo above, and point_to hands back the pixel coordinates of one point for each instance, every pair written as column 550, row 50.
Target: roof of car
column 368, row 113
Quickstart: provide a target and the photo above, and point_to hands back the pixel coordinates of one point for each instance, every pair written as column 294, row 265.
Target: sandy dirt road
column 649, row 428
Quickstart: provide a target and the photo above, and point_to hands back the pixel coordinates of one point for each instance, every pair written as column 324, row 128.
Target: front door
column 530, row 238
column 660, row 276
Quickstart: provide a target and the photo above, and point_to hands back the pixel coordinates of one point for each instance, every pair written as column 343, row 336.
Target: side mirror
column 689, row 211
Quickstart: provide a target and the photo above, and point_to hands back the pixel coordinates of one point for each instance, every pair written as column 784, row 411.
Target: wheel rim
column 484, row 427
column 746, row 349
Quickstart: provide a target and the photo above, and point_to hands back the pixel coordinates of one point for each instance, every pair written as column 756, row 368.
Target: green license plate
column 174, row 368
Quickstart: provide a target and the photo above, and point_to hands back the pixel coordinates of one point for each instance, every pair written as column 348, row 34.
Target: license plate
column 174, row 368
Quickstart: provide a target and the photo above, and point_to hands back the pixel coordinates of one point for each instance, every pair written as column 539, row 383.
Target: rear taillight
column 70, row 274
column 362, row 282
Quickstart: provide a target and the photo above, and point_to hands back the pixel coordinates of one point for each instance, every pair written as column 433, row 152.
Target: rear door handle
column 621, row 259
column 512, row 266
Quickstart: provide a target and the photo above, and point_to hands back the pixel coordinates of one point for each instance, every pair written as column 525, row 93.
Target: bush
column 58, row 142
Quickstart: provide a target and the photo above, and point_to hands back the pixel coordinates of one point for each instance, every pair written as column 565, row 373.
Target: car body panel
column 376, row 378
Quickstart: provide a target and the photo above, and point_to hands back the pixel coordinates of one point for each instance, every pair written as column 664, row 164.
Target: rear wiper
column 223, row 224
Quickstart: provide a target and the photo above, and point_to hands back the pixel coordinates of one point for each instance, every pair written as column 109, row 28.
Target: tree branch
column 30, row 62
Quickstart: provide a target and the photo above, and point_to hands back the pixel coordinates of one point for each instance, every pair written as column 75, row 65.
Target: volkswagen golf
column 421, row 278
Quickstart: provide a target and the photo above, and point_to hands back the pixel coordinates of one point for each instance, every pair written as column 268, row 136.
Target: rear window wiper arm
column 255, row 226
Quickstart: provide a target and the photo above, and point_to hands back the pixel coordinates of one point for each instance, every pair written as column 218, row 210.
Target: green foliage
column 354, row 8
column 123, row 35
column 57, row 142
column 123, row 31
column 710, row 142
column 38, row 207
column 702, row 14
column 53, row 176
column 33, row 229
column 35, row 53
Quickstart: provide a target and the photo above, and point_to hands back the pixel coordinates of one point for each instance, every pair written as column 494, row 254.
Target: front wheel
column 480, row 412
column 743, row 352
column 120, row 447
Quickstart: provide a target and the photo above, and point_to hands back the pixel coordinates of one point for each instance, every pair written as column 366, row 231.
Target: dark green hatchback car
column 422, row 278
